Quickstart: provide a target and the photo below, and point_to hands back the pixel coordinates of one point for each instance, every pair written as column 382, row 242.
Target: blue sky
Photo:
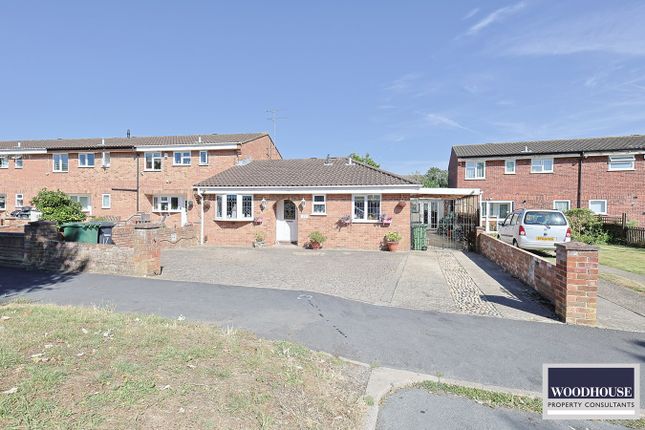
column 403, row 81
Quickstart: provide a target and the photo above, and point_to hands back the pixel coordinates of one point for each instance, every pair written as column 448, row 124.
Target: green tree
column 57, row 206
column 365, row 160
column 435, row 178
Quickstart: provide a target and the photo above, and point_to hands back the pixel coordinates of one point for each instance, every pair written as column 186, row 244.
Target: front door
column 287, row 222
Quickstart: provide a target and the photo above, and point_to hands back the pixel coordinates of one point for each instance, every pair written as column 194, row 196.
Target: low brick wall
column 571, row 284
column 12, row 248
column 167, row 237
column 41, row 247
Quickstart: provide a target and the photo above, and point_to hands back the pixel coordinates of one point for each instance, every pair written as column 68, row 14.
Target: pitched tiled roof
column 124, row 142
column 309, row 172
column 594, row 144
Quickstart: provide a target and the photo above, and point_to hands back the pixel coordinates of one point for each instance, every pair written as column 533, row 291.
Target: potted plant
column 259, row 239
column 392, row 239
column 316, row 239
column 345, row 220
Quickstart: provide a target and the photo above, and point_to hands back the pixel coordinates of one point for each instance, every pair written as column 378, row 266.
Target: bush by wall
column 586, row 227
column 58, row 207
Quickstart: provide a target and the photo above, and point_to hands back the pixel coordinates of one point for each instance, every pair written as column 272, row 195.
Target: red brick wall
column 122, row 174
column 354, row 236
column 571, row 284
column 624, row 191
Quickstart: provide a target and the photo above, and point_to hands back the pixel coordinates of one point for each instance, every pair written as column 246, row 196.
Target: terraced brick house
column 119, row 177
column 606, row 175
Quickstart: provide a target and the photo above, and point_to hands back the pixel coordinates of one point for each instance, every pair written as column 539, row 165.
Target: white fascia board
column 608, row 153
column 196, row 147
column 450, row 191
column 521, row 157
column 392, row 189
column 22, row 151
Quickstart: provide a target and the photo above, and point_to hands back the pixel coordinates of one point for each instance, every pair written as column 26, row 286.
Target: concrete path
column 418, row 409
column 625, row 274
column 491, row 351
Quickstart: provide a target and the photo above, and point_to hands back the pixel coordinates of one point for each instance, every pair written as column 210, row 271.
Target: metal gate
column 449, row 223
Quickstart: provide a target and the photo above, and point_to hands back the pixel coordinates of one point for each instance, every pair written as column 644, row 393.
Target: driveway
column 493, row 351
column 441, row 280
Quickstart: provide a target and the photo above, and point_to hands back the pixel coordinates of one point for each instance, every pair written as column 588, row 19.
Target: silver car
column 535, row 228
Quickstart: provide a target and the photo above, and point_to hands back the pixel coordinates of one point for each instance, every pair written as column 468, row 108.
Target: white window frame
column 542, row 160
column 220, row 207
column 76, row 198
column 506, row 169
column 184, row 158
column 84, row 156
column 203, row 163
column 365, row 219
column 323, row 204
column 621, row 159
column 20, row 197
column 154, row 155
column 157, row 201
column 60, row 163
column 3, row 202
column 109, row 203
column 106, row 159
column 4, row 163
column 22, row 162
column 568, row 202
column 599, row 200
column 475, row 162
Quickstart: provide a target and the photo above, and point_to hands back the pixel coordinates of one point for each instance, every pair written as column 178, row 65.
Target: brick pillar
column 42, row 241
column 147, row 252
column 576, row 283
column 478, row 232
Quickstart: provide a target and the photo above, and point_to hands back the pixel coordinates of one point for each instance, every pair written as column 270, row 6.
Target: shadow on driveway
column 16, row 281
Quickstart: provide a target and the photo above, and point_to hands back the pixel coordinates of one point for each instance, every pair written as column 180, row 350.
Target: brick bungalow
column 606, row 175
column 351, row 203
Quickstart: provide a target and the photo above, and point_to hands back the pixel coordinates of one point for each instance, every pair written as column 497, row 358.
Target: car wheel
column 515, row 244
column 499, row 237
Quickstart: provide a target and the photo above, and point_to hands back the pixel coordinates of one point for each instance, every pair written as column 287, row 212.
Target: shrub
column 393, row 236
column 316, row 236
column 57, row 206
column 586, row 226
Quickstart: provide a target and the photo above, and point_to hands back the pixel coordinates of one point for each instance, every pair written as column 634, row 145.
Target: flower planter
column 314, row 245
column 392, row 246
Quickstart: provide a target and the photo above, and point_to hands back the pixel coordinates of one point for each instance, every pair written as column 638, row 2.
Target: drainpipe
column 201, row 218
column 579, row 198
column 138, row 174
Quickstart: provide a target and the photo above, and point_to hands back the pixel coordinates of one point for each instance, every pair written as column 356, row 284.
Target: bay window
column 234, row 207
column 367, row 207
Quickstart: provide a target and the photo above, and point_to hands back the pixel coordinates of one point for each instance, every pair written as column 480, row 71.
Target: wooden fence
column 618, row 228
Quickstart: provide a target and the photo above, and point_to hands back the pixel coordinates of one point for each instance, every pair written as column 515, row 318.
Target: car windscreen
column 544, row 218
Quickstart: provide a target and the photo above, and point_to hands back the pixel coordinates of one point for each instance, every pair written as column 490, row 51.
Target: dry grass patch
column 66, row 367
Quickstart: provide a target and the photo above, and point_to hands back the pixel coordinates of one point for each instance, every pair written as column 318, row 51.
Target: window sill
column 152, row 170
column 621, row 170
column 365, row 221
column 181, row 165
column 85, row 167
column 509, row 173
column 155, row 211
column 203, row 165
column 475, row 179
column 541, row 173
column 319, row 214
column 60, row 171
column 234, row 219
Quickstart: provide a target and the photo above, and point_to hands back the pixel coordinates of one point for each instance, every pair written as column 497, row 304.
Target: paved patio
column 442, row 280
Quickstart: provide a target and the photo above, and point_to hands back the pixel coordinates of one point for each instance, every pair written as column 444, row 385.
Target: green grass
column 489, row 398
column 623, row 257
column 93, row 368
